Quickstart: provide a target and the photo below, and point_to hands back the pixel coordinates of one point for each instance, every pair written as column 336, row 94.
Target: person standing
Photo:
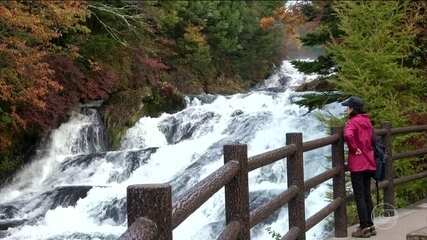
column 358, row 132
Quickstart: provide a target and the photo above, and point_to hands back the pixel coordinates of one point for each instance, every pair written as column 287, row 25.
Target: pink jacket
column 358, row 134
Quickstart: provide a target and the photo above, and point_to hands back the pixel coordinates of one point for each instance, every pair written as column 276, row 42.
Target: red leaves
column 154, row 64
column 77, row 87
column 27, row 82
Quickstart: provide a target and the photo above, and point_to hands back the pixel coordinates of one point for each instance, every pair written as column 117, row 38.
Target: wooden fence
column 152, row 215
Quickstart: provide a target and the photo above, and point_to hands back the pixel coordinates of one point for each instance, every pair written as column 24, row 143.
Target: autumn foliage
column 26, row 41
column 136, row 56
column 39, row 79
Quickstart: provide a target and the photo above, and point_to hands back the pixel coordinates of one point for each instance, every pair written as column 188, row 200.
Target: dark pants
column 361, row 182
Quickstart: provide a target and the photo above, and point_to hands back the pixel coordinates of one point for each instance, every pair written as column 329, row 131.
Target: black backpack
column 380, row 156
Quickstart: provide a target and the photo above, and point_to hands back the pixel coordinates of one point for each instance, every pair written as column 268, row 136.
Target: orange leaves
column 266, row 22
column 18, row 18
column 44, row 20
column 291, row 17
column 30, row 28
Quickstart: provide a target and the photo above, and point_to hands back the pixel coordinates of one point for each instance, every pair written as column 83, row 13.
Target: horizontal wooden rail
column 318, row 143
column 380, row 132
column 141, row 229
column 202, row 191
column 264, row 211
column 409, row 129
column 292, row 234
column 323, row 213
column 231, row 231
column 269, row 157
column 318, row 179
column 410, row 178
column 410, row 154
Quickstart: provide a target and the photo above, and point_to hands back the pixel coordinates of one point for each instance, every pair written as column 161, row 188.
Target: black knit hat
column 353, row 102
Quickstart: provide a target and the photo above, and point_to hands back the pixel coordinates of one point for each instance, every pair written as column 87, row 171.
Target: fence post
column 340, row 214
column 295, row 175
column 237, row 190
column 389, row 172
column 154, row 202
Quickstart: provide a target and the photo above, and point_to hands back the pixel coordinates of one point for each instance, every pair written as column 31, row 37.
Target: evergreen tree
column 378, row 37
column 323, row 14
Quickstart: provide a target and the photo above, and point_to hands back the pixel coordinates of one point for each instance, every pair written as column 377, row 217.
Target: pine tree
column 322, row 14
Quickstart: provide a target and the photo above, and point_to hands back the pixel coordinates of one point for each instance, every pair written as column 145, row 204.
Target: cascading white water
column 76, row 190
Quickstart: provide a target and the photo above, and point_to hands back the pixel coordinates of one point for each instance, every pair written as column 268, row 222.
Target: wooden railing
column 152, row 215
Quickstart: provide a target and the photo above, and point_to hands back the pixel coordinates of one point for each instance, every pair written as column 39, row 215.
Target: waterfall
column 76, row 189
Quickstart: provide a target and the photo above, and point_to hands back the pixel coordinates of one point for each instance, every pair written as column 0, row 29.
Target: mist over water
column 76, row 189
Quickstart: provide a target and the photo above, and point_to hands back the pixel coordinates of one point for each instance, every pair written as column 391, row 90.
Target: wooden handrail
column 269, row 157
column 318, row 143
column 410, row 129
column 158, row 223
column 409, row 178
column 380, row 132
column 321, row 178
column 264, row 211
column 202, row 191
column 323, row 213
column 410, row 154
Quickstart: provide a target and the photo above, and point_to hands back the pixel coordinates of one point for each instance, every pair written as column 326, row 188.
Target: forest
column 55, row 55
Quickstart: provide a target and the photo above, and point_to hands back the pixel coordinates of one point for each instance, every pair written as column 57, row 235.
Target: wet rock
column 169, row 127
column 81, row 161
column 236, row 113
column 34, row 206
column 68, row 195
column 4, row 234
column 114, row 212
column 284, row 80
column 128, row 161
column 245, row 126
column 183, row 125
column 92, row 137
column 8, row 212
column 318, row 85
column 6, row 224
column 205, row 98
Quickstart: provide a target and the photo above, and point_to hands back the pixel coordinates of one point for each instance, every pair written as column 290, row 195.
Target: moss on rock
column 126, row 107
